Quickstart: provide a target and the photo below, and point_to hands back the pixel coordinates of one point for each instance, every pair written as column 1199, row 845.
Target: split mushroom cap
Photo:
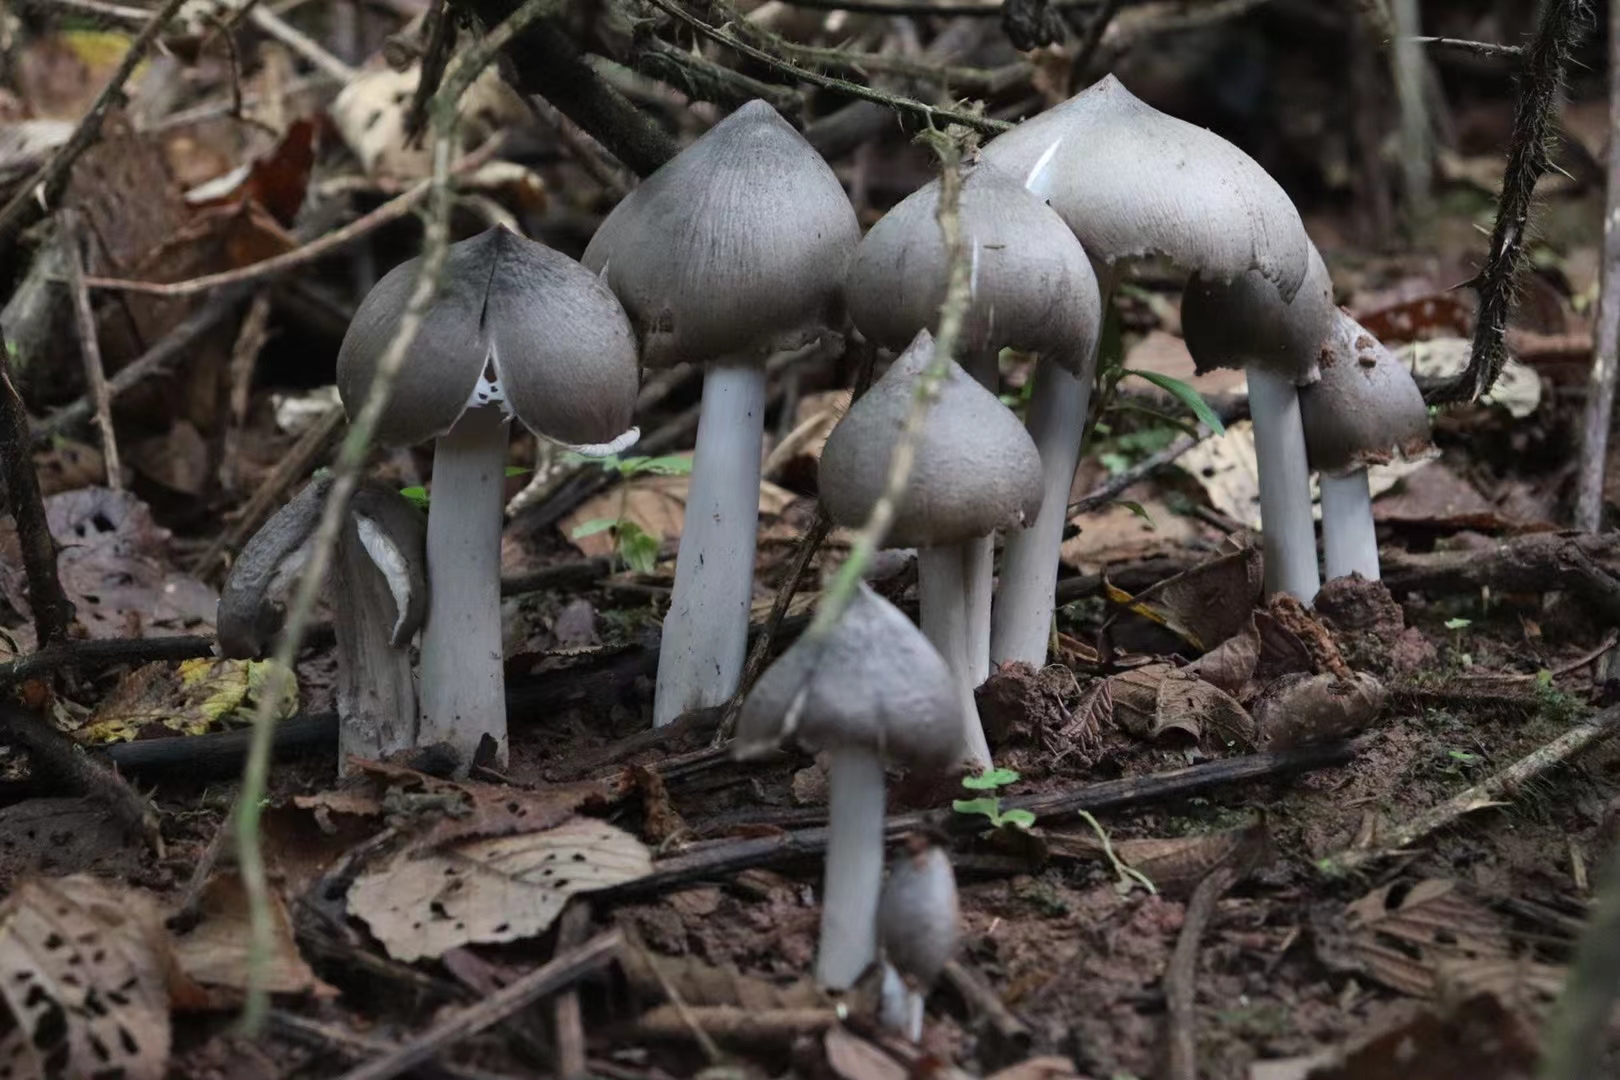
column 1366, row 410
column 874, row 683
column 735, row 249
column 975, row 470
column 918, row 921
column 1033, row 287
column 392, row 531
column 1245, row 322
column 514, row 323
column 1132, row 182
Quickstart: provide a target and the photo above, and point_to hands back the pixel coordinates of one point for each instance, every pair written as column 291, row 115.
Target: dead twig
column 573, row 927
column 40, row 191
column 1012, row 1036
column 75, row 654
column 352, row 1045
column 1095, row 29
column 561, row 972
column 251, row 337
column 1116, row 485
column 52, row 610
column 1181, row 976
column 732, row 1024
column 1536, row 563
column 84, row 319
column 1598, row 417
column 1478, row 48
column 299, row 42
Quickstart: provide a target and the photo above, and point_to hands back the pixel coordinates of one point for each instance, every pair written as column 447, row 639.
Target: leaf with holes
column 83, row 974
column 421, row 904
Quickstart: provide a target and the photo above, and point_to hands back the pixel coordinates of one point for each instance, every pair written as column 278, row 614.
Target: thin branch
column 944, row 10
column 1478, row 48
column 95, row 375
column 1095, row 29
column 1116, row 485
column 74, row 654
column 1598, row 417
column 40, row 191
column 1181, row 977
column 300, row 43
column 52, row 610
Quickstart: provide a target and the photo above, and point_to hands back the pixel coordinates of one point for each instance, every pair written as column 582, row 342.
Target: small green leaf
column 592, row 527
column 1458, row 624
column 638, row 548
column 987, row 806
column 417, row 495
column 1114, row 462
column 1544, row 678
column 1022, row 819
column 1462, row 756
column 1189, row 397
column 990, row 779
column 517, row 470
column 669, row 465
column 1137, row 509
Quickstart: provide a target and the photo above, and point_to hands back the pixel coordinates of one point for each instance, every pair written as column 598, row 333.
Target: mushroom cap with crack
column 735, row 249
column 514, row 323
column 975, row 468
column 872, row 683
column 1366, row 409
column 1245, row 322
column 1134, row 182
column 1033, row 288
column 918, row 920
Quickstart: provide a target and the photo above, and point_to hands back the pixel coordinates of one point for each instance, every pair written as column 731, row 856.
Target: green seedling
column 418, row 495
column 635, row 546
column 1128, row 876
column 989, row 806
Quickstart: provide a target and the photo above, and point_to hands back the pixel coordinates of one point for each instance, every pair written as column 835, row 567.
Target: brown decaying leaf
column 1206, row 604
column 853, row 1058
column 480, row 810
column 1174, row 864
column 651, row 975
column 656, row 504
column 214, row 953
column 84, row 975
column 1294, row 617
column 1154, row 700
column 1231, row 664
column 1438, row 315
column 1314, row 708
column 1480, row 1039
column 1402, row 936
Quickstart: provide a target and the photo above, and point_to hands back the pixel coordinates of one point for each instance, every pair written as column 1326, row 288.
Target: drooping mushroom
column 919, row 928
column 1032, row 289
column 975, row 470
column 734, row 250
column 873, row 689
column 1246, row 323
column 518, row 330
column 379, row 599
column 1130, row 182
column 1365, row 410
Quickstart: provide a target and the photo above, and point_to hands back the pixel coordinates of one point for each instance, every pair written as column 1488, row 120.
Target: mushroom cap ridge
column 1246, row 323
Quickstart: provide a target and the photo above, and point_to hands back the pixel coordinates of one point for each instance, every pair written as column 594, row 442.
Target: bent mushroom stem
column 1348, row 535
column 376, row 693
column 706, row 631
column 943, row 617
column 1285, row 486
column 1021, row 623
column 463, row 685
column 854, row 881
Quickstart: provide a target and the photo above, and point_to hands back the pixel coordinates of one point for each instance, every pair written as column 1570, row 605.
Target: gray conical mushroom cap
column 918, row 920
column 1245, row 322
column 1033, row 287
column 555, row 336
column 976, row 469
column 735, row 249
column 1366, row 409
column 873, row 683
column 1132, row 181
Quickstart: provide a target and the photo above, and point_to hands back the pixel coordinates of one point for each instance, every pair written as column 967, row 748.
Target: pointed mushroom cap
column 1033, row 287
column 873, row 682
column 1245, row 322
column 975, row 469
column 918, row 921
column 554, row 338
column 1132, row 181
column 734, row 249
column 1366, row 409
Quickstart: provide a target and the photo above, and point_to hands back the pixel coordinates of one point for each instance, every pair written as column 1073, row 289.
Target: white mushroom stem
column 706, row 631
column 1285, row 486
column 1348, row 535
column 900, row 1008
column 854, row 881
column 463, row 683
column 980, row 568
column 942, row 574
column 1021, row 623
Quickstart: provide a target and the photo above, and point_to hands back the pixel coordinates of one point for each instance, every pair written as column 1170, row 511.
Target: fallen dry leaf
column 422, row 903
column 214, row 953
column 1039, row 1068
column 1313, row 708
column 853, row 1058
column 84, row 976
column 1402, row 935
column 651, row 976
column 1517, row 389
column 1203, row 605
column 1157, row 699
column 1116, row 533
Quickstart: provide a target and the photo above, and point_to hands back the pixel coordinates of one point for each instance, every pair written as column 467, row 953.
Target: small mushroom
column 1246, row 323
column 919, row 928
column 1032, row 289
column 872, row 689
column 733, row 250
column 379, row 599
column 1365, row 410
column 1130, row 182
column 516, row 329
column 975, row 470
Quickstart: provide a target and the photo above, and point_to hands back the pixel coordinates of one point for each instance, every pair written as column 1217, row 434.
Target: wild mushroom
column 379, row 599
column 734, row 250
column 1365, row 410
column 919, row 928
column 1130, row 182
column 1246, row 323
column 974, row 470
column 873, row 689
column 1032, row 290
column 518, row 330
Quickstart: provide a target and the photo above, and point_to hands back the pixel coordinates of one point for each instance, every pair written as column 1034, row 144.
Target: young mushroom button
column 873, row 689
column 1032, row 289
column 1365, row 410
column 516, row 329
column 733, row 250
column 1130, row 182
column 974, row 470
column 918, row 928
